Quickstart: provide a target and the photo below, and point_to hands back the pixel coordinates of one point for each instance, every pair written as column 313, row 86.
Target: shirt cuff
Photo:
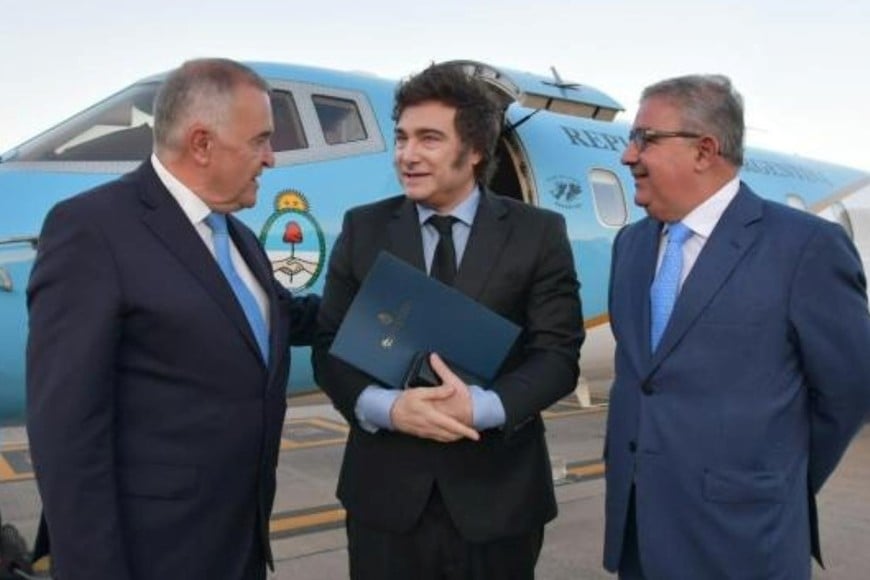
column 486, row 408
column 373, row 408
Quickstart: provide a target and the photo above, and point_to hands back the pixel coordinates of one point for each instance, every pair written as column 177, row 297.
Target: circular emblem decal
column 294, row 241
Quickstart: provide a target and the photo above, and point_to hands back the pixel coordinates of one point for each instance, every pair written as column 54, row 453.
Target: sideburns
column 461, row 158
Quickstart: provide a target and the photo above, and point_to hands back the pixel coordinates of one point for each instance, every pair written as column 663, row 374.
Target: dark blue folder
column 399, row 311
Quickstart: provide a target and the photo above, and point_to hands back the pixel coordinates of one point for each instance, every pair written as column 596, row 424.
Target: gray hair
column 708, row 104
column 199, row 90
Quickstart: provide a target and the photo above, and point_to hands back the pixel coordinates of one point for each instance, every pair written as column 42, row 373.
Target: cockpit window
column 117, row 129
column 289, row 134
column 121, row 129
column 340, row 119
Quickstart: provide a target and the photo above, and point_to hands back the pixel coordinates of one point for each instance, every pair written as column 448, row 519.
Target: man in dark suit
column 742, row 334
column 453, row 481
column 158, row 351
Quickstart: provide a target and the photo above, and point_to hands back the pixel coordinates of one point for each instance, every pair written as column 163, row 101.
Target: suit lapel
column 489, row 233
column 732, row 237
column 167, row 221
column 403, row 234
column 642, row 259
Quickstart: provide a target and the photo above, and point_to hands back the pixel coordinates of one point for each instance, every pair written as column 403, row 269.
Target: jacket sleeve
column 552, row 333
column 74, row 302
column 828, row 309
column 340, row 381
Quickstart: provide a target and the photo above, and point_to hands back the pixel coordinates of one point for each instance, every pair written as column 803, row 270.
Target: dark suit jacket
column 760, row 380
column 153, row 422
column 518, row 263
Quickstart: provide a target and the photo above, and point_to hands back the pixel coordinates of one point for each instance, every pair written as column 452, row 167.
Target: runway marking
column 329, row 517
column 15, row 463
column 306, row 521
column 301, row 433
column 312, row 432
column 569, row 406
column 585, row 470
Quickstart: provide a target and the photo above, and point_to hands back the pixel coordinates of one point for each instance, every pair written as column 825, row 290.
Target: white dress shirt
column 701, row 220
column 196, row 211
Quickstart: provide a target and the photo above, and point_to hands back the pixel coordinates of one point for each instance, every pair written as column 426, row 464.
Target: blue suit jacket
column 154, row 424
column 759, row 382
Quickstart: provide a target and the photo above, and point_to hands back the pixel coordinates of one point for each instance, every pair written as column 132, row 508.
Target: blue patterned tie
column 218, row 224
column 666, row 286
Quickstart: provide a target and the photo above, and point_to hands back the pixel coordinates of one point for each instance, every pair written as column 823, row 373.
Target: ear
column 475, row 157
column 200, row 143
column 708, row 150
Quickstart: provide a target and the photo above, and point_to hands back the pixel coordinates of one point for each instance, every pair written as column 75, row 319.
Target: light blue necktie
column 218, row 224
column 666, row 286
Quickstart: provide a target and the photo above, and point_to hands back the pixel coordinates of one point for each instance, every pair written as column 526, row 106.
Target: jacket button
column 632, row 446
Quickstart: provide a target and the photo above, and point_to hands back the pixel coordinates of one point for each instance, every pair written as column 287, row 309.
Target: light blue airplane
column 333, row 141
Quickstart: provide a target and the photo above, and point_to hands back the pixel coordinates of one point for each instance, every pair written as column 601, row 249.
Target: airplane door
column 540, row 93
column 522, row 96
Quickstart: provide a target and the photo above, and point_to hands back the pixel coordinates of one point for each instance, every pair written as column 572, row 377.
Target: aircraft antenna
column 559, row 83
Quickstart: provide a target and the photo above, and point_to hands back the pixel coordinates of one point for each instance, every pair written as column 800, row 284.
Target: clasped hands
column 442, row 413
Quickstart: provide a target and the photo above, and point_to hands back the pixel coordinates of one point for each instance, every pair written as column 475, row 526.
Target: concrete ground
column 307, row 525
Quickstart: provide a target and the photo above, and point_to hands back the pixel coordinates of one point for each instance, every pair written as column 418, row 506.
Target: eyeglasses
column 643, row 137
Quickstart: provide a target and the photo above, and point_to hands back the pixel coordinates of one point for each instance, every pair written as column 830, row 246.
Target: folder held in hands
column 399, row 312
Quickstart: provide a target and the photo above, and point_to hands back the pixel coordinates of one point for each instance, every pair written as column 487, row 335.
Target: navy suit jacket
column 518, row 263
column 732, row 425
column 154, row 423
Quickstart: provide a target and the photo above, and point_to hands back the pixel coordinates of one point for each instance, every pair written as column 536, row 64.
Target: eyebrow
column 421, row 131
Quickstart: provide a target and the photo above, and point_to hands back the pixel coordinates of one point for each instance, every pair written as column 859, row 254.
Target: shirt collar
column 464, row 212
column 193, row 207
column 704, row 218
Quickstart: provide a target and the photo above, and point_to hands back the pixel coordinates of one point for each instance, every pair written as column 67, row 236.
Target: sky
column 800, row 65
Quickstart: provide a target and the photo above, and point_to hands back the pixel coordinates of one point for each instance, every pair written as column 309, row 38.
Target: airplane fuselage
column 333, row 148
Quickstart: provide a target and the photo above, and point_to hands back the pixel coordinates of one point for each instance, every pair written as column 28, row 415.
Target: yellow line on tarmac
column 292, row 523
column 588, row 470
column 6, row 471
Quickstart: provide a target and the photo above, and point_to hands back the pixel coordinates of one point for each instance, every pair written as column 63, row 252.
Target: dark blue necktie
column 220, row 235
column 666, row 286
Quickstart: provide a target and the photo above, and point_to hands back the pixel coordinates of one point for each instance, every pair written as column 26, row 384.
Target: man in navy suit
column 453, row 481
column 732, row 405
column 156, row 377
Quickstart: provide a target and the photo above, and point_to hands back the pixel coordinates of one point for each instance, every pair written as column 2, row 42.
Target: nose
column 630, row 154
column 268, row 155
column 406, row 153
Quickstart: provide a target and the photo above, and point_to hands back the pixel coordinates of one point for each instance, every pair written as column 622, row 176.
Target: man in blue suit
column 742, row 372
column 158, row 350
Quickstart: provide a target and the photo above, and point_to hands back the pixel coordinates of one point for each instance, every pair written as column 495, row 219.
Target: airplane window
column 340, row 120
column 608, row 197
column 795, row 201
column 288, row 134
column 841, row 216
column 117, row 129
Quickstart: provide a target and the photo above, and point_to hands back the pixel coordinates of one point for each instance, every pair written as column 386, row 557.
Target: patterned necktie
column 218, row 224
column 666, row 286
column 444, row 262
